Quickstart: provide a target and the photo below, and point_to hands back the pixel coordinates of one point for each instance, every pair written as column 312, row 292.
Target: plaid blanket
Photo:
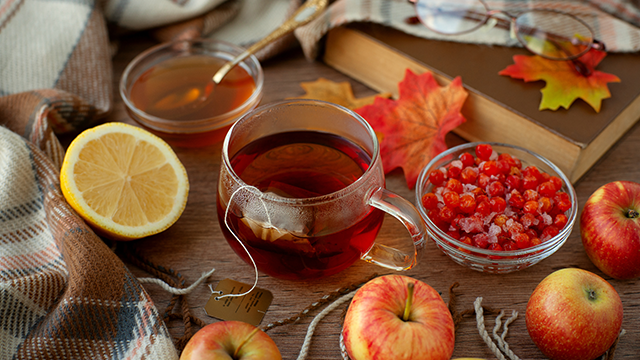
column 63, row 293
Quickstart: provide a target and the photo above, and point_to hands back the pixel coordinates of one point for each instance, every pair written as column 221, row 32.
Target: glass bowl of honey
column 168, row 90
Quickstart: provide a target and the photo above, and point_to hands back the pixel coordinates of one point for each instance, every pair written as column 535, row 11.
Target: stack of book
column 499, row 108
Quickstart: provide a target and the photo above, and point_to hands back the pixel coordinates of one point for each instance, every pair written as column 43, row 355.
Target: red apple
column 398, row 317
column 226, row 340
column 610, row 229
column 574, row 314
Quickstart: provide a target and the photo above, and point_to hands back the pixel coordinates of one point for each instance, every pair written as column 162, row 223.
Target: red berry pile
column 491, row 202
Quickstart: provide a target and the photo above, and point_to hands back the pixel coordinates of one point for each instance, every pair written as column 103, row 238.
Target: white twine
column 226, row 223
column 483, row 332
column 173, row 290
column 312, row 327
column 502, row 344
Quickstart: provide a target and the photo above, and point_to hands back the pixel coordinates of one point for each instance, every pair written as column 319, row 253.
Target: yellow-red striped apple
column 398, row 317
column 224, row 340
column 610, row 229
column 574, row 314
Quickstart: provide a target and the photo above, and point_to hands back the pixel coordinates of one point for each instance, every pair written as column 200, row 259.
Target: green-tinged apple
column 610, row 229
column 398, row 317
column 226, row 340
column 574, row 314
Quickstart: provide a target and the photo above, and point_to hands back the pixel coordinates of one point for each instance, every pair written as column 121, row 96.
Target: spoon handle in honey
column 307, row 12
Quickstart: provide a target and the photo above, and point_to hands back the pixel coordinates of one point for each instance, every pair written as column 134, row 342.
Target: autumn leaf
column 337, row 93
column 413, row 128
column 564, row 84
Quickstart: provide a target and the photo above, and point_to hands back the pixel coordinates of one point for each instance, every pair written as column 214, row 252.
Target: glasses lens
column 554, row 35
column 451, row 16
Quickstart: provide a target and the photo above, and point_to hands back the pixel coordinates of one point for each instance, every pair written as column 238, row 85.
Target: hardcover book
column 499, row 108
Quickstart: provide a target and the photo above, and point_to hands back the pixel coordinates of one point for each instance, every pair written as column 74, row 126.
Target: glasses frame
column 511, row 24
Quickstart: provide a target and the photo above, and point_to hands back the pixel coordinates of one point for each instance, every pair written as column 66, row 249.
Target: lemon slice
column 125, row 182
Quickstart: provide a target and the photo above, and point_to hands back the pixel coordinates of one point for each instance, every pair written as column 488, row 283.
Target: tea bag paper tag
column 249, row 308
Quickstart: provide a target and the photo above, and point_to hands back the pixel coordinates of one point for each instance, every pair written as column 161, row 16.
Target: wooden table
column 195, row 243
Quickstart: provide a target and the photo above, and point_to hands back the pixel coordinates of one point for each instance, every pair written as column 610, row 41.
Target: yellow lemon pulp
column 123, row 181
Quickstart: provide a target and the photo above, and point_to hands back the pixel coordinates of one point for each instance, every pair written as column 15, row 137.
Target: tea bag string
column 226, row 223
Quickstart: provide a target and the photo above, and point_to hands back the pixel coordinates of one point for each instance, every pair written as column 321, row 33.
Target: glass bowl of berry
column 496, row 208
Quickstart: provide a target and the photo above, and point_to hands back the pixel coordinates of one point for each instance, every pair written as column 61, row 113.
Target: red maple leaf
column 413, row 128
column 564, row 83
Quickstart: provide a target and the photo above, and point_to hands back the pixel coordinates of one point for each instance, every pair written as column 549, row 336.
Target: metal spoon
column 307, row 12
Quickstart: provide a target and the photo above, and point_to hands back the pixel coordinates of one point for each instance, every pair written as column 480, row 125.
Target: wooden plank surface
column 195, row 243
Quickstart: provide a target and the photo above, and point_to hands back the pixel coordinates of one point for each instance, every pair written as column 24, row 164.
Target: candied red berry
column 498, row 204
column 478, row 192
column 500, row 220
column 513, row 182
column 451, row 199
column 535, row 241
column 495, row 247
column 490, row 168
column 468, row 176
column 429, row 201
column 436, row 177
column 506, row 157
column 547, row 188
column 528, row 220
column 522, row 240
column 560, row 221
column 530, row 207
column 483, row 208
column 481, row 198
column 530, row 195
column 532, row 171
column 483, row 180
column 557, row 182
column 516, row 200
column 549, row 232
column 467, row 204
column 503, row 167
column 454, row 185
column 454, row 169
column 563, row 205
column 481, row 240
column 467, row 159
column 495, row 189
column 544, row 204
column 529, row 182
column 446, row 214
column 484, row 151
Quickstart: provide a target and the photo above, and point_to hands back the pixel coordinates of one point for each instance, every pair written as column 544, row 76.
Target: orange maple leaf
column 413, row 128
column 564, row 84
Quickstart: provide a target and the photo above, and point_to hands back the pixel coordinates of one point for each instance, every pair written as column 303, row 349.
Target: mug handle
column 406, row 213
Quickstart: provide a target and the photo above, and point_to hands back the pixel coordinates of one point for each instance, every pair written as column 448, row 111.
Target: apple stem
column 409, row 302
column 235, row 354
column 632, row 214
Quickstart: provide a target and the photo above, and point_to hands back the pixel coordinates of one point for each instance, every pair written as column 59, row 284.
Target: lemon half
column 125, row 182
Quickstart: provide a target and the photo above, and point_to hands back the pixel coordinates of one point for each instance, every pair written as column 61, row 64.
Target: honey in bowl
column 181, row 89
column 169, row 90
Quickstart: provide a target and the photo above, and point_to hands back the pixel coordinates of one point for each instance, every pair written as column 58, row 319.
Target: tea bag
column 281, row 223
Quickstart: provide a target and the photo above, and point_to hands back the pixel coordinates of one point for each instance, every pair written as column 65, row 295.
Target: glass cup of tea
column 302, row 192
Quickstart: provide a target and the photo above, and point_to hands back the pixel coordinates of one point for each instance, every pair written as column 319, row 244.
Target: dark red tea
column 302, row 164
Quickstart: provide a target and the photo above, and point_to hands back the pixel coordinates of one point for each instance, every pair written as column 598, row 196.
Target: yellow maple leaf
column 337, row 93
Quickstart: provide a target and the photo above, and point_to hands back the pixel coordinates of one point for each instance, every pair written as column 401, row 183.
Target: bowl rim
column 198, row 125
column 497, row 255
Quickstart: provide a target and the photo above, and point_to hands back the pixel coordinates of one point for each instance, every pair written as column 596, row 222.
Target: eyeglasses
column 551, row 34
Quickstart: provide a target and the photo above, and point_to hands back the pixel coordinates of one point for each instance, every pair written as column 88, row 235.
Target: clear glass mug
column 302, row 191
